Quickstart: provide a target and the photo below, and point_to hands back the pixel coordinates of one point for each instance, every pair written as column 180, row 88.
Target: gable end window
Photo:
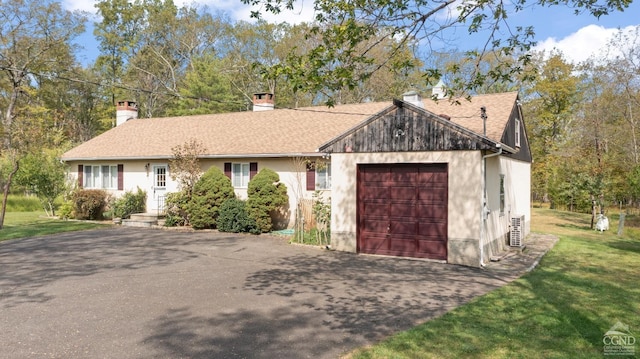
column 517, row 132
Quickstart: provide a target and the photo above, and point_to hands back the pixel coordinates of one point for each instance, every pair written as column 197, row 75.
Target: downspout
column 484, row 211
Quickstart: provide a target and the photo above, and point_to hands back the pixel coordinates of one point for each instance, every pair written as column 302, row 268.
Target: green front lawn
column 562, row 309
column 31, row 224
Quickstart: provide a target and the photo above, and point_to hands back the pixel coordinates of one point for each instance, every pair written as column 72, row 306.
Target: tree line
column 188, row 60
column 583, row 126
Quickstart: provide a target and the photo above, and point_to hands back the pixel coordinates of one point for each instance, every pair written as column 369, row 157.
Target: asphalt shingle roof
column 277, row 132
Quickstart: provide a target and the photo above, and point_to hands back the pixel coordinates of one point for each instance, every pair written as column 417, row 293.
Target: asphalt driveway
column 136, row 293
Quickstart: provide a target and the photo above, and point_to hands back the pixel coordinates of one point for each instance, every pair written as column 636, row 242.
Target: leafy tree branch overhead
column 351, row 29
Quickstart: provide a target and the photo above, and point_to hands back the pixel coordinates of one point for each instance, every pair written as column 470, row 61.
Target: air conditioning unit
column 516, row 235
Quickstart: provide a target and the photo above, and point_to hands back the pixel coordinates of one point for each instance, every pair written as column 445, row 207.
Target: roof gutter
column 221, row 156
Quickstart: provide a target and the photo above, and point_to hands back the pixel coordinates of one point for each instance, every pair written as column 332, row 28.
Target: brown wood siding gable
column 508, row 137
column 404, row 130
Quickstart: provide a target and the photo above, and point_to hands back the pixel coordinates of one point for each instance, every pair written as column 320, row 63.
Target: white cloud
column 302, row 11
column 591, row 40
column 83, row 5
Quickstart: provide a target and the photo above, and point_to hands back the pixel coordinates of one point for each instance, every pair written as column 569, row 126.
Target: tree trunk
column 593, row 212
column 7, row 186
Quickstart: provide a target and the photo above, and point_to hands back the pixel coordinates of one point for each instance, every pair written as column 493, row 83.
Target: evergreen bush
column 266, row 195
column 130, row 203
column 89, row 203
column 209, row 193
column 234, row 218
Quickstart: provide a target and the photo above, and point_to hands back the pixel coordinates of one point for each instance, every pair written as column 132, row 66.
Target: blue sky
column 577, row 36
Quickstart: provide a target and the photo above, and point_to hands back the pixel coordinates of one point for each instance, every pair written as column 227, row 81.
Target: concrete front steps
column 144, row 220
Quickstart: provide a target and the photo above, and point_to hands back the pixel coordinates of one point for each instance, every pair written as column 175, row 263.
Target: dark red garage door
column 402, row 210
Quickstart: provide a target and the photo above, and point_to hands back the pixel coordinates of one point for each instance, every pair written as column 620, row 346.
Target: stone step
column 139, row 223
column 145, row 216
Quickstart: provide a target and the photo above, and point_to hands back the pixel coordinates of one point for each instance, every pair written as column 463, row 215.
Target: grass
column 562, row 309
column 34, row 223
column 17, row 203
column 311, row 238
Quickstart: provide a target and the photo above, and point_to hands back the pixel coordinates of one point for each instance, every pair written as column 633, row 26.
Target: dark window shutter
column 120, row 177
column 227, row 169
column 80, row 176
column 311, row 178
column 253, row 169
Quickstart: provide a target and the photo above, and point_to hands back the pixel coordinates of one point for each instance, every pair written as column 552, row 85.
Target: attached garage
column 402, row 210
column 432, row 180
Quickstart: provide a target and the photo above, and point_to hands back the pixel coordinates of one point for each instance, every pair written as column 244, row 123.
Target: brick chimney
column 263, row 101
column 125, row 111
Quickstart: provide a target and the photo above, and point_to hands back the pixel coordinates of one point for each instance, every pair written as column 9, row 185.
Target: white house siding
column 139, row 173
column 287, row 168
column 517, row 181
column 464, row 201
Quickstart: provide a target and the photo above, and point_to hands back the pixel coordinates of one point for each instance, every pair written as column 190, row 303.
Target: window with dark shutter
column 120, row 177
column 311, row 178
column 227, row 169
column 253, row 169
column 80, row 176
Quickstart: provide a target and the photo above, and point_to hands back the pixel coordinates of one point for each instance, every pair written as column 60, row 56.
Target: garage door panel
column 400, row 228
column 438, row 230
column 431, row 212
column 375, row 225
column 374, row 174
column 402, row 193
column 439, row 168
column 399, row 211
column 406, row 246
column 375, row 244
column 376, row 193
column 403, row 175
column 376, row 209
column 432, row 195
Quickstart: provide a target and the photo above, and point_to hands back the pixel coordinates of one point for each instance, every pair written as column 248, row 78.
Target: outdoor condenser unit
column 517, row 231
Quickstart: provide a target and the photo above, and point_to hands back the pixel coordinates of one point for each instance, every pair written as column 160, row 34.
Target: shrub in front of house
column 89, row 203
column 209, row 193
column 66, row 210
column 266, row 195
column 234, row 218
column 129, row 203
column 175, row 209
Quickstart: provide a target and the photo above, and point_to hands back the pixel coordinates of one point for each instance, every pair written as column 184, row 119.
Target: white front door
column 158, row 189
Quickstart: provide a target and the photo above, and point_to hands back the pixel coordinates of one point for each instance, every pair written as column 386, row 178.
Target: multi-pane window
column 240, row 175
column 101, row 177
column 160, row 174
column 323, row 177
